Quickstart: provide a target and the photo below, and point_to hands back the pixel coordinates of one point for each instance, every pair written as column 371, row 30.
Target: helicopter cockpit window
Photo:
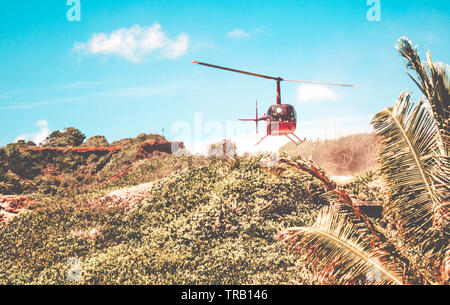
column 282, row 113
column 276, row 112
column 291, row 115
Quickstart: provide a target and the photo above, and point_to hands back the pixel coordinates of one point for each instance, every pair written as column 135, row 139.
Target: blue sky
column 125, row 68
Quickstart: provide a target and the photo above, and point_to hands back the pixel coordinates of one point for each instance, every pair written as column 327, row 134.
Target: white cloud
column 135, row 43
column 246, row 143
column 243, row 135
column 39, row 136
column 238, row 34
column 312, row 93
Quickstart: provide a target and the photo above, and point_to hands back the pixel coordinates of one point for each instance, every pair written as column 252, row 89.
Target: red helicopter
column 281, row 119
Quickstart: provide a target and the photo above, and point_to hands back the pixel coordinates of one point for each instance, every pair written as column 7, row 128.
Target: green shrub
column 69, row 137
column 96, row 141
column 212, row 224
column 24, row 164
column 10, row 185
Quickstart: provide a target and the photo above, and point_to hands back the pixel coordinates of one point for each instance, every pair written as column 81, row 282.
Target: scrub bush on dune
column 212, row 224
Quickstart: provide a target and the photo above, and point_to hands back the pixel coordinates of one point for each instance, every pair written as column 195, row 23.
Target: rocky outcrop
column 52, row 169
column 126, row 198
column 78, row 150
column 147, row 149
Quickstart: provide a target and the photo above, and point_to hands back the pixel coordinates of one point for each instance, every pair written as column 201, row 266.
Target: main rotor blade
column 279, row 79
column 238, row 71
column 318, row 83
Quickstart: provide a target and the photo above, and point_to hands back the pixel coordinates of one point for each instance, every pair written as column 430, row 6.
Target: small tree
column 223, row 148
column 20, row 162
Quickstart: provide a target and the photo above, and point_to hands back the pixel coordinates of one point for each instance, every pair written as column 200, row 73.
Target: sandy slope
column 343, row 179
column 127, row 197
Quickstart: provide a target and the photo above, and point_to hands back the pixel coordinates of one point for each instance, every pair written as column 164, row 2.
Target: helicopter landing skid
column 263, row 138
column 296, row 143
column 300, row 141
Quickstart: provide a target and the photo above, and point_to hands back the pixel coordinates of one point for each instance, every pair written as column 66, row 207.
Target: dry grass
column 348, row 155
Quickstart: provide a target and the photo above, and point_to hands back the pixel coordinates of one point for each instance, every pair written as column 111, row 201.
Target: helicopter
column 281, row 118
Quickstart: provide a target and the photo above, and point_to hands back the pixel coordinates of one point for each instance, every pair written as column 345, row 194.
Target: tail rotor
column 256, row 119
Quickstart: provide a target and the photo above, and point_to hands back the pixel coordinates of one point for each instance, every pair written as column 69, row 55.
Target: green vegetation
column 96, row 141
column 69, row 137
column 45, row 170
column 214, row 224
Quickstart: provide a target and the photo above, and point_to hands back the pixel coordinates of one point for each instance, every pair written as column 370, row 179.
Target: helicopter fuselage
column 281, row 120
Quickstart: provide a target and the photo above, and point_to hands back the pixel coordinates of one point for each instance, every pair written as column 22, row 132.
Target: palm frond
column 440, row 96
column 334, row 247
column 413, row 62
column 433, row 81
column 408, row 166
column 386, row 249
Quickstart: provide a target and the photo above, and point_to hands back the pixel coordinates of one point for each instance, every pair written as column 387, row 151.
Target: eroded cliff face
column 58, row 170
column 146, row 149
column 25, row 169
column 11, row 206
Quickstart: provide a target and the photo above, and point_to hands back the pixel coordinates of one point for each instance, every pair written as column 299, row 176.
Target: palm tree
column 345, row 246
